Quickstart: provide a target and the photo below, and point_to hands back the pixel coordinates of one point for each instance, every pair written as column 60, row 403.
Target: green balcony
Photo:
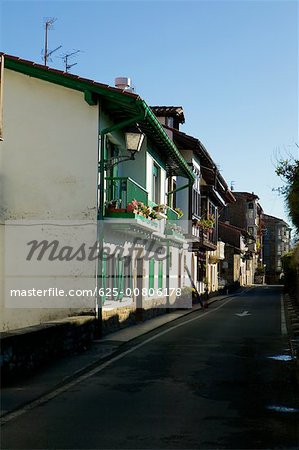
column 172, row 227
column 124, row 190
column 172, row 216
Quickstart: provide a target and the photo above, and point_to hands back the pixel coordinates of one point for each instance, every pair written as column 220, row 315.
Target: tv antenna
column 66, row 58
column 48, row 22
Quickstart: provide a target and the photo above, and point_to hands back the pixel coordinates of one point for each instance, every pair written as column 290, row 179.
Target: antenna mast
column 66, row 60
column 48, row 26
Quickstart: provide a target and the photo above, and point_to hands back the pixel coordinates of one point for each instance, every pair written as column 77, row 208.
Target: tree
column 288, row 170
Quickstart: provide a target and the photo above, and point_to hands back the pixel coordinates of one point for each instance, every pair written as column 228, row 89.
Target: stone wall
column 26, row 349
column 23, row 350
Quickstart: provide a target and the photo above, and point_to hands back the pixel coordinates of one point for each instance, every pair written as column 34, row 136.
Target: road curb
column 293, row 336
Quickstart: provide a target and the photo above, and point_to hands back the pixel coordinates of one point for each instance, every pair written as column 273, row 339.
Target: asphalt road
column 206, row 381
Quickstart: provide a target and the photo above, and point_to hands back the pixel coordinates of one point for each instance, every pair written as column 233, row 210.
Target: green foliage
column 289, row 264
column 260, row 270
column 288, row 170
column 179, row 212
column 206, row 224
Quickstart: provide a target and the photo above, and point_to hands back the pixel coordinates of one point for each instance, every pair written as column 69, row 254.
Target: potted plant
column 114, row 206
column 179, row 212
column 111, row 205
column 133, row 207
column 153, row 215
column 141, row 209
column 161, row 211
column 160, row 208
column 206, row 224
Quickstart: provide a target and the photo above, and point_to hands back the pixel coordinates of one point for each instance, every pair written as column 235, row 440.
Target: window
column 156, row 183
column 250, row 231
column 114, row 272
column 174, row 194
column 120, row 277
column 196, row 199
column 169, row 122
column 250, row 205
column 128, row 281
column 110, row 272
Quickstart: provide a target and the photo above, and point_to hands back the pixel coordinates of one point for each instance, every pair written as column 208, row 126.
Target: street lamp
column 134, row 141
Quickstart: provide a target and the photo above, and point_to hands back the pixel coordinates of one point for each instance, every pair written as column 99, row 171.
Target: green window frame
column 104, row 278
column 128, row 276
column 156, row 183
column 151, row 277
column 160, row 275
column 120, row 278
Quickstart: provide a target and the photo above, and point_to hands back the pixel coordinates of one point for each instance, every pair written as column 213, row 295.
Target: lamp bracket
column 109, row 163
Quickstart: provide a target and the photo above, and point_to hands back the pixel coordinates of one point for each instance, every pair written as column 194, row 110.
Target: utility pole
column 48, row 26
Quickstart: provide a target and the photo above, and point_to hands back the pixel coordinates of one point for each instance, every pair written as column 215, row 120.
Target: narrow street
column 207, row 381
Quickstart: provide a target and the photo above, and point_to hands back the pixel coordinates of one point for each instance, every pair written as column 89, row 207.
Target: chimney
column 124, row 83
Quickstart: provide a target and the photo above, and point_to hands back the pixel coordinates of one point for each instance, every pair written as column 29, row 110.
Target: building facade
column 277, row 242
column 92, row 205
column 205, row 198
column 246, row 214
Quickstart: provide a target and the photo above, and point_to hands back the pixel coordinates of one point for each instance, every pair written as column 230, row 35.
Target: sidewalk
column 67, row 368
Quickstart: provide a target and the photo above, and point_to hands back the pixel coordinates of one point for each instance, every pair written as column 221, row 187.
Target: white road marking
column 47, row 397
column 283, row 326
column 243, row 314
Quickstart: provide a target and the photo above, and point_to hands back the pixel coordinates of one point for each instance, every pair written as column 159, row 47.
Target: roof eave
column 82, row 84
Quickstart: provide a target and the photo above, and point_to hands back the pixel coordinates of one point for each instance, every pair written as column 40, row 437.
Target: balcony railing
column 173, row 225
column 124, row 190
column 172, row 215
column 120, row 192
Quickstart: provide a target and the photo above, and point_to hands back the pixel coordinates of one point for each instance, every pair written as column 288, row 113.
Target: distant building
column 277, row 238
column 237, row 264
column 204, row 199
column 246, row 214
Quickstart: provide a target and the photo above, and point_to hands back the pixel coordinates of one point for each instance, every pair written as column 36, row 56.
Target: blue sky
column 232, row 65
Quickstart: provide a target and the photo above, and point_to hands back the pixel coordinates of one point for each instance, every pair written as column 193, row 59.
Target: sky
column 232, row 66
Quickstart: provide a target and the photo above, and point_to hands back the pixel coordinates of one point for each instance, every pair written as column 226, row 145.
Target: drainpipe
column 101, row 206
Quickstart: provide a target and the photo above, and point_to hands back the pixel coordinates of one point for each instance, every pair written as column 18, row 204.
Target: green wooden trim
column 90, row 98
column 120, row 278
column 126, row 215
column 123, row 124
column 129, row 179
column 78, row 84
column 104, row 277
column 151, row 275
column 157, row 158
column 160, row 275
column 139, row 106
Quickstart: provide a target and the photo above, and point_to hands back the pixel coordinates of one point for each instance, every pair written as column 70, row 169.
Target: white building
column 57, row 129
